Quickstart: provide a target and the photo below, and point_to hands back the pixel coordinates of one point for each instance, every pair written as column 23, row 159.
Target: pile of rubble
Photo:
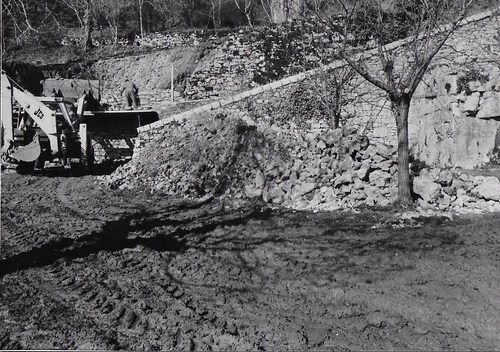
column 226, row 155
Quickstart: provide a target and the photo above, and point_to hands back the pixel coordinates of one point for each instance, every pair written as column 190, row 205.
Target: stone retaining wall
column 446, row 121
column 214, row 67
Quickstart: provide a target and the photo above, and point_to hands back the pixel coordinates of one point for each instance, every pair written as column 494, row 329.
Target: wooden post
column 172, row 82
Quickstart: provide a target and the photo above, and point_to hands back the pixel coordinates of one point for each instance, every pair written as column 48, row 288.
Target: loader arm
column 44, row 117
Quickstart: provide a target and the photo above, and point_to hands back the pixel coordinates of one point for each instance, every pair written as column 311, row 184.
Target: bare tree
column 333, row 91
column 274, row 10
column 9, row 10
column 24, row 18
column 82, row 9
column 215, row 12
column 246, row 7
column 110, row 11
column 279, row 11
column 427, row 24
column 168, row 10
column 140, row 4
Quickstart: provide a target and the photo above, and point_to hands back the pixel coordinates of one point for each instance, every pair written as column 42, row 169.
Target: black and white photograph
column 250, row 175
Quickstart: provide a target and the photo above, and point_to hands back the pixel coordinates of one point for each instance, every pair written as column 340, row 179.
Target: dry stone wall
column 453, row 116
column 214, row 66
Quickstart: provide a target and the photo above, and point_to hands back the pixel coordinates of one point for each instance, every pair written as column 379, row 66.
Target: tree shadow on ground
column 336, row 251
column 159, row 231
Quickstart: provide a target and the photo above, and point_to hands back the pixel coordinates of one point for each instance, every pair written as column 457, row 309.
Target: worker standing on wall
column 129, row 93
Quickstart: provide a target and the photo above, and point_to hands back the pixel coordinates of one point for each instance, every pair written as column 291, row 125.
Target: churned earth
column 87, row 267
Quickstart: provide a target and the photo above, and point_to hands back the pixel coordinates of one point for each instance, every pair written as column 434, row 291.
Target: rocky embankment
column 208, row 66
column 229, row 156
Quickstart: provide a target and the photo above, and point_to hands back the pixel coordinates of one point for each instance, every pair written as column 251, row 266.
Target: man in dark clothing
column 129, row 92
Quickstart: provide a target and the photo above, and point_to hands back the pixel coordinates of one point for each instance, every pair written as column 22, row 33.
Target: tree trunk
column 401, row 109
column 141, row 3
column 114, row 30
column 87, row 27
column 278, row 11
column 249, row 19
column 336, row 120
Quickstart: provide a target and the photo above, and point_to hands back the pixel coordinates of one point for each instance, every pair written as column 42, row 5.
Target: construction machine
column 40, row 129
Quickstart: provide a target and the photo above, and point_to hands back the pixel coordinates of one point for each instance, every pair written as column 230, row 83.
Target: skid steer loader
column 40, row 129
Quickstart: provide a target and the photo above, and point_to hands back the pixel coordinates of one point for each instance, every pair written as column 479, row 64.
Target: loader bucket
column 28, row 153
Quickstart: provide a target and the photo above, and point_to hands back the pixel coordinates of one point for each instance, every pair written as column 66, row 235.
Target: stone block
column 490, row 105
column 306, row 188
column 379, row 175
column 471, row 104
column 215, row 105
column 362, row 172
column 425, row 187
column 489, row 189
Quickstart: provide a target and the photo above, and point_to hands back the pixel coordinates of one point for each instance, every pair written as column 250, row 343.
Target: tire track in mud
column 21, row 210
column 106, row 304
column 61, row 193
column 134, row 303
column 104, row 297
column 38, row 211
column 35, row 299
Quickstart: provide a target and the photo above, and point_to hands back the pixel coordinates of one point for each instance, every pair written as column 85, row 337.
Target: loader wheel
column 25, row 168
column 39, row 164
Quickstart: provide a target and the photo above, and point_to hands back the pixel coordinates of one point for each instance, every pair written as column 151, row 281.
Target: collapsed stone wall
column 224, row 153
column 445, row 189
column 308, row 167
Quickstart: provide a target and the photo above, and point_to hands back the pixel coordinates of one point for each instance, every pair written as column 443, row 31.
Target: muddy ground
column 86, row 267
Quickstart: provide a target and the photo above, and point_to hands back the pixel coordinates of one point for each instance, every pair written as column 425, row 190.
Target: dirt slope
column 86, row 267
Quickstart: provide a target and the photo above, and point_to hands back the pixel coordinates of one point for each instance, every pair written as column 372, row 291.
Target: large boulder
column 306, row 188
column 490, row 105
column 426, row 188
column 489, row 189
column 379, row 178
